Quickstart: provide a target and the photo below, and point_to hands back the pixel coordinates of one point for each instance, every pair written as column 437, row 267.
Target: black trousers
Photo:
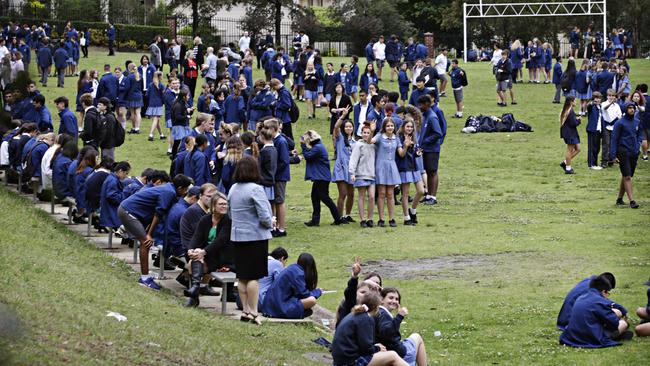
column 593, row 148
column 606, row 139
column 111, row 52
column 320, row 193
column 84, row 50
column 287, row 130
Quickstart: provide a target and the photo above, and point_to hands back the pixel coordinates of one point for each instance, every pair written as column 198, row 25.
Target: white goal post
column 526, row 9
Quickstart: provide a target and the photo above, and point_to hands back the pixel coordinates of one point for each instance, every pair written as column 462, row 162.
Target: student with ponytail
column 569, row 132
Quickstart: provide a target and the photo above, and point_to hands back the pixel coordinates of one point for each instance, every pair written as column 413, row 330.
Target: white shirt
column 441, row 64
column 363, row 112
column 416, row 73
column 144, row 77
column 95, row 87
column 244, row 43
column 177, row 52
column 3, row 52
column 496, row 56
column 304, row 41
column 379, row 50
column 610, row 114
column 46, row 176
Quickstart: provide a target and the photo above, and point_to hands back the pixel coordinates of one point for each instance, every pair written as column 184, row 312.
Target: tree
column 273, row 8
column 202, row 8
column 365, row 19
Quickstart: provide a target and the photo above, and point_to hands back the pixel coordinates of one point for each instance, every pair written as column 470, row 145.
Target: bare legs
column 363, row 193
column 386, row 193
column 571, row 152
column 626, row 188
column 346, row 197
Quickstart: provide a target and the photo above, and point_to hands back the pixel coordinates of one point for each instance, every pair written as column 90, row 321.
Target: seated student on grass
column 354, row 340
column 354, row 290
column 146, row 209
column 294, row 293
column 594, row 322
column 578, row 290
column 643, row 329
column 93, row 185
column 112, row 194
column 60, row 163
column 210, row 249
column 173, row 248
column 195, row 163
column 412, row 348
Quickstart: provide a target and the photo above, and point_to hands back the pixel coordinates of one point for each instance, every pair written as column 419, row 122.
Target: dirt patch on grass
column 440, row 267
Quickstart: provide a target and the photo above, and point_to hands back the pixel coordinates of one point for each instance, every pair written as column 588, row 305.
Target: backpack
column 294, row 112
column 508, row 121
column 28, row 168
column 119, row 133
column 522, row 127
column 486, row 124
column 463, row 78
column 473, row 121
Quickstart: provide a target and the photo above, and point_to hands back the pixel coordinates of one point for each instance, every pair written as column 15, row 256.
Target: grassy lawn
column 511, row 235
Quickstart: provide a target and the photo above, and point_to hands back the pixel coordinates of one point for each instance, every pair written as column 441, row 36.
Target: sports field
column 488, row 266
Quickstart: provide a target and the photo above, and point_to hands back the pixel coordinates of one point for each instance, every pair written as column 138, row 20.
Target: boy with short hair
column 611, row 112
column 503, row 70
column 557, row 77
column 68, row 119
column 457, row 76
column 594, row 130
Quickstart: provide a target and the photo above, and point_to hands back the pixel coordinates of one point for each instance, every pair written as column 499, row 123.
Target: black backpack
column 119, row 133
column 28, row 168
column 294, row 112
column 463, row 78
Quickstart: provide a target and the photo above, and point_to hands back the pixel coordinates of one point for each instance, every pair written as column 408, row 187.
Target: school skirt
column 168, row 123
column 363, row 183
column 154, row 111
column 411, row 351
column 180, row 132
column 311, row 95
column 361, row 361
column 134, row 103
column 584, row 96
column 410, row 177
column 251, row 259
column 572, row 141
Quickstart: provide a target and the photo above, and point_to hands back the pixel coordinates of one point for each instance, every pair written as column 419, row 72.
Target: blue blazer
column 148, row 202
column 108, row 87
column 248, row 74
column 195, row 166
column 365, row 81
column 415, row 95
column 110, row 33
column 626, row 136
column 235, row 109
column 354, row 74
column 430, row 135
column 580, row 83
column 250, row 212
column 233, row 70
column 318, row 164
column 276, row 70
column 68, row 123
column 60, row 167
column 283, row 105
column 404, row 82
column 60, row 58
column 80, row 187
column 282, row 299
column 370, row 54
column 592, row 320
column 134, row 93
column 557, row 73
column 388, row 333
column 37, row 155
column 260, row 106
column 26, row 53
column 173, row 223
column 283, row 172
column 111, row 196
column 150, row 71
column 44, row 57
column 378, row 117
column 155, row 95
column 593, row 114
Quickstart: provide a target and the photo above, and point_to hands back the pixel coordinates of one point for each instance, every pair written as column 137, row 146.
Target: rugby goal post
column 526, row 9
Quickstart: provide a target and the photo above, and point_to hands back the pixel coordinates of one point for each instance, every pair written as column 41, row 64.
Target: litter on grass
column 118, row 316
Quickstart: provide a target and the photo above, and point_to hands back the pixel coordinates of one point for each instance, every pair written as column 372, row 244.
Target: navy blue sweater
column 354, row 337
column 387, row 331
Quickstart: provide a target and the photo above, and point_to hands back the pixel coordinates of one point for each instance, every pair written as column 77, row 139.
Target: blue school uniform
column 155, row 99
column 377, row 116
column 195, row 166
column 68, row 123
column 38, row 151
column 370, row 54
column 108, row 87
column 626, row 136
column 248, row 74
column 404, row 85
column 549, row 59
column 318, row 165
column 276, row 70
column 407, row 166
column 132, row 188
column 283, row 105
column 356, row 112
column 582, row 85
column 409, row 53
column 430, row 136
column 354, row 78
column 365, row 81
column 354, row 340
column 201, row 105
column 415, row 95
column 259, row 107
column 282, row 299
column 557, row 73
column 594, row 118
column 233, row 70
column 146, row 203
column 86, row 87
column 456, row 78
column 26, row 53
column 274, row 267
column 592, row 322
column 567, row 306
column 39, row 116
column 235, row 109
column 421, row 51
column 133, row 94
column 111, row 196
column 515, row 58
column 283, row 172
column 75, row 52
column 44, row 57
column 569, row 129
column 60, row 176
column 341, row 172
column 386, row 172
column 173, row 227
column 60, row 58
column 79, row 187
column 123, row 87
column 387, row 333
column 168, row 99
column 226, row 181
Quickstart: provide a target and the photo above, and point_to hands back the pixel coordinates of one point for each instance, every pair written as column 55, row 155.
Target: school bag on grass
column 487, row 124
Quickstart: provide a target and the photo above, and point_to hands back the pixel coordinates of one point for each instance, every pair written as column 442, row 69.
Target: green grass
column 499, row 194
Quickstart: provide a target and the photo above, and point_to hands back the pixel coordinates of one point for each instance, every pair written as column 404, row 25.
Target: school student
column 276, row 262
column 344, row 144
column 93, row 190
column 581, row 84
column 354, row 77
column 625, row 144
column 235, row 107
column 368, row 77
column 60, row 164
column 594, row 130
column 112, row 194
column 622, row 83
column 294, row 291
column 259, row 104
column 386, row 173
column 594, row 323
column 611, row 112
column 377, row 113
column 411, row 349
column 409, row 171
column 503, row 72
column 68, row 125
column 148, row 207
column 643, row 329
column 311, row 89
column 268, row 163
column 354, row 340
column 403, row 82
column 44, row 60
column 195, row 164
column 429, row 139
column 60, row 58
column 360, row 112
column 339, row 105
column 329, row 82
column 282, row 176
column 282, row 106
column 578, row 290
column 557, row 78
column 77, row 175
column 355, row 290
column 155, row 92
column 569, row 132
column 318, row 171
column 362, row 173
column 458, row 78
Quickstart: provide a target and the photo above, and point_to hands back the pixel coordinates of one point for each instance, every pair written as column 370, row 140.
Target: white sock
column 152, row 137
column 203, row 285
column 407, row 218
column 144, row 277
column 568, row 167
column 434, row 197
column 413, row 211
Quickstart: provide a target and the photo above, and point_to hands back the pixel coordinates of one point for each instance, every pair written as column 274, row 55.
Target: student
column 354, row 341
column 594, row 130
column 148, row 207
column 44, row 60
column 293, row 293
column 318, row 171
column 625, row 144
column 354, row 77
column 39, row 114
column 60, row 58
column 387, row 333
column 441, row 69
column 268, row 163
column 622, row 83
column 155, row 91
column 180, row 122
column 516, row 56
column 344, row 143
column 408, row 170
column 235, row 107
column 84, row 167
column 234, row 154
column 282, row 176
column 593, row 322
column 355, row 290
column 195, row 164
column 93, row 189
column 362, row 173
column 368, row 77
column 578, row 290
column 546, row 61
column 60, row 164
column 311, row 89
column 643, row 329
column 429, row 139
column 503, row 72
column 376, row 115
column 282, row 106
column 68, row 125
column 418, row 91
column 557, row 77
column 458, row 78
column 583, row 92
column 112, row 194
column 379, row 52
column 403, row 82
column 329, row 82
column 611, row 112
column 259, row 104
column 277, row 260
column 360, row 112
column 569, row 132
column 386, row 173
column 339, row 105
column 109, row 130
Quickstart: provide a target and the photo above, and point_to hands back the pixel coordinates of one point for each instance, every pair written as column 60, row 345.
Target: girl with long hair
column 344, row 143
column 569, row 132
column 408, row 169
column 134, row 97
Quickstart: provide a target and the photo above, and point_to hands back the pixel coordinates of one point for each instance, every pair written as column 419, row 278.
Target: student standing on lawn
column 458, row 78
column 379, row 51
column 44, row 61
column 110, row 34
column 503, row 71
column 441, row 69
column 60, row 63
column 557, row 79
column 344, row 143
column 594, row 130
column 569, row 132
column 429, row 140
column 611, row 112
column 625, row 144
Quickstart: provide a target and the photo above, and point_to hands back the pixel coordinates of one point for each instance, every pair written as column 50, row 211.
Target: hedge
column 139, row 36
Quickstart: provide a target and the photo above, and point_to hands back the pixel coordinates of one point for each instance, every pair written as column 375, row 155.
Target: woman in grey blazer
column 252, row 221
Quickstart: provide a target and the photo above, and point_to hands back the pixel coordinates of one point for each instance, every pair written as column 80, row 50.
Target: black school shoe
column 311, row 223
column 408, row 223
column 370, row 223
column 633, row 204
column 363, row 224
column 414, row 217
column 569, row 172
column 392, row 223
column 620, row 202
column 349, row 219
column 381, row 223
column 627, row 336
column 563, row 165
